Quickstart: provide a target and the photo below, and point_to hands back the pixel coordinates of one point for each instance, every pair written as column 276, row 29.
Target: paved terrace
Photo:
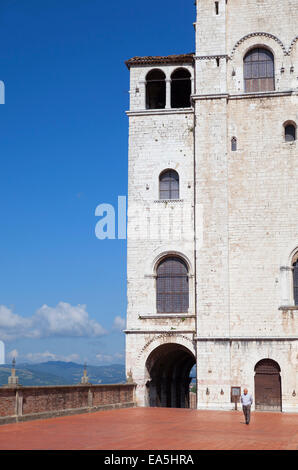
column 154, row 429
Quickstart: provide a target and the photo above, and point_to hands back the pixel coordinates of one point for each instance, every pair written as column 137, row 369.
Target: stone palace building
column 212, row 236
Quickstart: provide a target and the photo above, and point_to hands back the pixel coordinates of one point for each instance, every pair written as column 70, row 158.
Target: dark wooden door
column 267, row 386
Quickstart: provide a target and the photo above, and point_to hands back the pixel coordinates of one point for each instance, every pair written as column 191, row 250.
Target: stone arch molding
column 288, row 254
column 166, row 253
column 169, row 250
column 167, row 70
column 266, row 36
column 292, row 44
column 160, row 339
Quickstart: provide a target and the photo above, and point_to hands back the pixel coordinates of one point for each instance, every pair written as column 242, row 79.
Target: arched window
column 172, row 293
column 155, row 90
column 180, row 88
column 169, row 185
column 295, row 281
column 233, row 144
column 290, row 132
column 259, row 70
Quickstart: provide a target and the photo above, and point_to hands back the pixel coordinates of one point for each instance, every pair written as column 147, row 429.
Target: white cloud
column 104, row 357
column 48, row 356
column 62, row 320
column 66, row 320
column 13, row 354
column 119, row 323
column 109, row 357
column 118, row 356
column 12, row 325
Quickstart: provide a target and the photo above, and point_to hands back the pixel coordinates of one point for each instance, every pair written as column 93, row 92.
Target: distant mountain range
column 62, row 373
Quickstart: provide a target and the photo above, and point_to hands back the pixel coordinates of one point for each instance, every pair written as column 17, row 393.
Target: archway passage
column 169, row 367
column 267, row 386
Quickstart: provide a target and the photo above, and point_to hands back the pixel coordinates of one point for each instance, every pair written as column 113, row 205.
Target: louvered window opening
column 172, row 286
column 169, row 185
column 295, row 279
column 259, row 70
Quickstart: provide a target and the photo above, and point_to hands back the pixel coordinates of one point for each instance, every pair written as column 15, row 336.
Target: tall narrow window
column 295, row 282
column 290, row 132
column 180, row 89
column 172, row 292
column 169, row 185
column 259, row 70
column 155, row 90
column 233, row 144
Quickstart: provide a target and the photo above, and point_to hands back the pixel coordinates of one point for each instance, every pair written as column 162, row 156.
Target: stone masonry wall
column 25, row 403
column 247, row 200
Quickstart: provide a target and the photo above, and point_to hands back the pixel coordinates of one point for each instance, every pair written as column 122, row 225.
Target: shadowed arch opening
column 180, row 88
column 169, row 367
column 155, row 89
column 290, row 131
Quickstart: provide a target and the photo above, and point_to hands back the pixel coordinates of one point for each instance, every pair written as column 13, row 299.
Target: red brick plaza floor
column 155, row 429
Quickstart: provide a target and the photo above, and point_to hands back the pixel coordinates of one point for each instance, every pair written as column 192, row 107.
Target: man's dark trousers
column 246, row 411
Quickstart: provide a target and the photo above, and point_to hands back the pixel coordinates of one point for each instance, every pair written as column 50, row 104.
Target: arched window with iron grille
column 169, row 185
column 155, row 90
column 172, row 290
column 259, row 70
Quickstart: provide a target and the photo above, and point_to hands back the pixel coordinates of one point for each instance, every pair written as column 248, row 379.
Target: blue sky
column 63, row 151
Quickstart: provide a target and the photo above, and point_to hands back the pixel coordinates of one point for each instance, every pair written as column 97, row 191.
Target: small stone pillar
column 129, row 378
column 13, row 380
column 85, row 378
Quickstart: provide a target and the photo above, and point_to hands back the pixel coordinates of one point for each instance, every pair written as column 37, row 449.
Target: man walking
column 246, row 400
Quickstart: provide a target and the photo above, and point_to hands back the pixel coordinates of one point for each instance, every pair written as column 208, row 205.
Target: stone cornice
column 159, row 316
column 288, row 307
column 227, row 96
column 160, row 112
column 210, row 57
column 262, row 94
column 211, row 96
column 165, row 332
column 246, row 338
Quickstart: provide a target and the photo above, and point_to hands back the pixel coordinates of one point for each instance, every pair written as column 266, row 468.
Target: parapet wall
column 26, row 403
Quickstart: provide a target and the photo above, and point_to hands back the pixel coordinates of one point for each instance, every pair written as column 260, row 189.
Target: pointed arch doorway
column 267, row 386
column 169, row 367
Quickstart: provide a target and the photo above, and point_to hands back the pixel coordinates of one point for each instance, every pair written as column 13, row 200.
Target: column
column 168, row 94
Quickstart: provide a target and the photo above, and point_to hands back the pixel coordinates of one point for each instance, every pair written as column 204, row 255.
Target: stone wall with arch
column 144, row 345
